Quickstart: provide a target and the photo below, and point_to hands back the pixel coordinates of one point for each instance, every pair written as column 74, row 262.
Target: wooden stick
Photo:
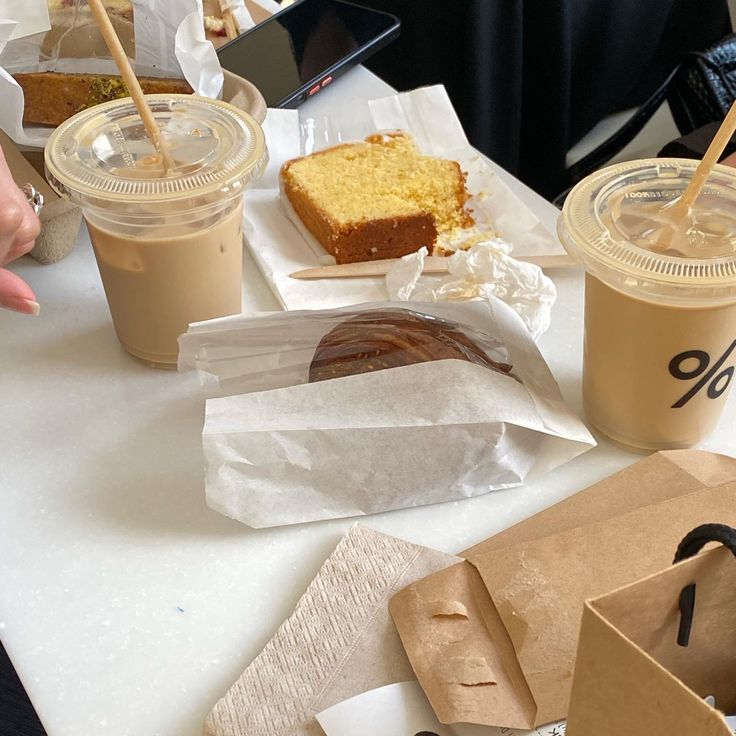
column 131, row 82
column 715, row 149
column 432, row 264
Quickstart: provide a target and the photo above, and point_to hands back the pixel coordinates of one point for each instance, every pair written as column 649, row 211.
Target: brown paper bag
column 632, row 677
column 492, row 640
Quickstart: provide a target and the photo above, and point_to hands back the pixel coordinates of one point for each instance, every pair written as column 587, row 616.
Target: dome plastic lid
column 613, row 222
column 104, row 153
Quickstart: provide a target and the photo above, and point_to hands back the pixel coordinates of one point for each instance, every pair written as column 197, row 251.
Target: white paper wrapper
column 7, row 28
column 281, row 245
column 197, row 56
column 362, row 444
column 485, row 269
column 168, row 43
column 29, row 16
column 403, row 710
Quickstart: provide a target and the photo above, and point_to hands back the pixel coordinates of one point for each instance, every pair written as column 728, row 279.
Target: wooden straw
column 231, row 25
column 131, row 81
column 715, row 149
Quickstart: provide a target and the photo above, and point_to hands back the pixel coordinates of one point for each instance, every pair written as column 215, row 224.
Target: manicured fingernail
column 18, row 304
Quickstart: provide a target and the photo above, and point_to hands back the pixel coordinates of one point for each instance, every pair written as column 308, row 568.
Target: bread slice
column 380, row 198
column 52, row 97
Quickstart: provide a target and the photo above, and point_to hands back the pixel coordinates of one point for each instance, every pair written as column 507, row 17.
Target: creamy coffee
column 168, row 242
column 660, row 301
column 157, row 284
column 644, row 363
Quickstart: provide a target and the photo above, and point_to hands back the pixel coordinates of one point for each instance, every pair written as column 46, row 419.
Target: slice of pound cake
column 380, row 198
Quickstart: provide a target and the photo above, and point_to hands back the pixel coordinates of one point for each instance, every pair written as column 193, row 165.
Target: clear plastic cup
column 168, row 243
column 660, row 306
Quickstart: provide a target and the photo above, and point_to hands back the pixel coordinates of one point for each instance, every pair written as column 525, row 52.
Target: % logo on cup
column 712, row 377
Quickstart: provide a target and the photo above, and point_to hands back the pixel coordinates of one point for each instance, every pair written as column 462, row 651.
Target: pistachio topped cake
column 380, row 198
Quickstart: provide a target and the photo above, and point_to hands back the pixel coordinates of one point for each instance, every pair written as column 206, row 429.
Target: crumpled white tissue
column 486, row 269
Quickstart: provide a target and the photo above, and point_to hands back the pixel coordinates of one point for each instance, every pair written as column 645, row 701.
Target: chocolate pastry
column 374, row 341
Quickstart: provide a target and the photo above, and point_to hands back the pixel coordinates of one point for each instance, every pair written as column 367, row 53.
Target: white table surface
column 127, row 606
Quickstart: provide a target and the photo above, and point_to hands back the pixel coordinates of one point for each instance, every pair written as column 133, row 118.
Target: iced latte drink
column 660, row 301
column 168, row 243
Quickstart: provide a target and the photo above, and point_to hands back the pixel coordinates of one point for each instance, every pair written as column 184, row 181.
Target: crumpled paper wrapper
column 169, row 41
column 339, row 641
column 281, row 244
column 362, row 444
column 486, row 269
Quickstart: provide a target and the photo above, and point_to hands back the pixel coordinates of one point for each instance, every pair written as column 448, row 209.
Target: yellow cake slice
column 380, row 198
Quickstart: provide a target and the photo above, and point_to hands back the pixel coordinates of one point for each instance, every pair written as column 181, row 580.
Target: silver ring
column 35, row 199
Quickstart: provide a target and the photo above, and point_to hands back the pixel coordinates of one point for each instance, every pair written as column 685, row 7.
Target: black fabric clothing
column 529, row 78
column 17, row 717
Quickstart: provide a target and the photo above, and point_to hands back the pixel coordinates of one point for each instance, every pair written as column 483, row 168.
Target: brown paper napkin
column 339, row 642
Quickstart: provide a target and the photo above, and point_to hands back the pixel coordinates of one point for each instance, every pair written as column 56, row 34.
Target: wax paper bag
column 633, row 673
column 162, row 39
column 524, row 589
column 293, row 450
column 338, row 642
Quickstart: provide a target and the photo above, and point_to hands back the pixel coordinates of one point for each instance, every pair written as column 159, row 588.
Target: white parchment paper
column 293, row 451
column 281, row 245
column 29, row 16
column 169, row 41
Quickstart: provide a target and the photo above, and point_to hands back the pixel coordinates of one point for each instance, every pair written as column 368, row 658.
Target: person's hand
column 19, row 228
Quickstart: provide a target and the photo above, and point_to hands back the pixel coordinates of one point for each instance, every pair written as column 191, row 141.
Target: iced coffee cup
column 168, row 243
column 660, row 302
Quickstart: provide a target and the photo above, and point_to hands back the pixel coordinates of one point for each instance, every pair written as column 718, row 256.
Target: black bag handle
column 692, row 543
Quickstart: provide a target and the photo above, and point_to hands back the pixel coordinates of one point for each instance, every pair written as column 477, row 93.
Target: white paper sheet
column 363, row 444
column 30, row 16
column 403, row 710
column 7, row 27
column 281, row 246
column 197, row 56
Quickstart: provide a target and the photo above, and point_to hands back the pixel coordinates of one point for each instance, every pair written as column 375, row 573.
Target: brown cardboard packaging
column 492, row 640
column 631, row 677
column 60, row 220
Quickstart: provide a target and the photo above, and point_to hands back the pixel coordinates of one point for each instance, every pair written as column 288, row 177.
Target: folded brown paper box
column 632, row 678
column 492, row 640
